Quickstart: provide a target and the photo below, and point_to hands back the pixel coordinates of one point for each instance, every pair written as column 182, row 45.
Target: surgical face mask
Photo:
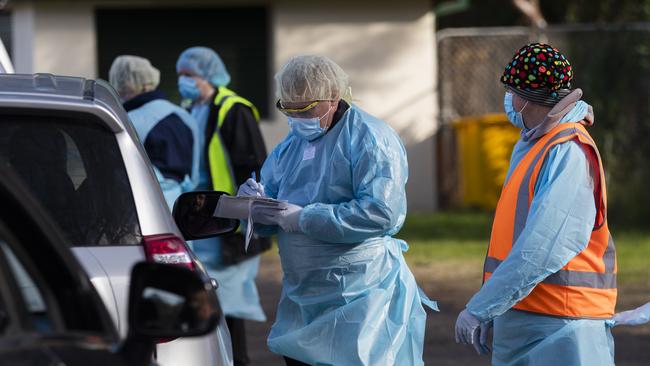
column 188, row 88
column 515, row 117
column 308, row 128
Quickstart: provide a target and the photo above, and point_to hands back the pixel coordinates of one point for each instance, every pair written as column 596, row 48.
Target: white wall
column 55, row 37
column 22, row 34
column 388, row 52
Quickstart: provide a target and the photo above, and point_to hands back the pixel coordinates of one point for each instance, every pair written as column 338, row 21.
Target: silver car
column 73, row 145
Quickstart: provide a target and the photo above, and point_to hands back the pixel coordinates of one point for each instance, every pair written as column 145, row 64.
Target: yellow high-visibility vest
column 221, row 172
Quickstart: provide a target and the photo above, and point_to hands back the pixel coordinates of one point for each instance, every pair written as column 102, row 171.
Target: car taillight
column 167, row 248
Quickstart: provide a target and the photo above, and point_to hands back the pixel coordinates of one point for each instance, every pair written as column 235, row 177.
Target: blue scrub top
column 201, row 112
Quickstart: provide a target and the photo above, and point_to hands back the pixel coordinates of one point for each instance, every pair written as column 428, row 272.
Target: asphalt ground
column 451, row 287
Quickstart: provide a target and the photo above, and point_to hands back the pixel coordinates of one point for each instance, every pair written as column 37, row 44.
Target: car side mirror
column 167, row 301
column 194, row 215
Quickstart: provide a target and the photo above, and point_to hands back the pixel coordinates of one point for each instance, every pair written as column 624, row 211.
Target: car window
column 29, row 292
column 75, row 168
column 48, row 292
column 5, row 316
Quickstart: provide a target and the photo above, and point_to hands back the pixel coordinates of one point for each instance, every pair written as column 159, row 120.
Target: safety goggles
column 298, row 111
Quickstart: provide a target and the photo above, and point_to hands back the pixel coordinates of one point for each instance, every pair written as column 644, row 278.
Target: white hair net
column 132, row 75
column 204, row 62
column 310, row 77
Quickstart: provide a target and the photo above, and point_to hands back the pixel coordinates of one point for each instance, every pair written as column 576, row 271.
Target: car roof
column 47, row 91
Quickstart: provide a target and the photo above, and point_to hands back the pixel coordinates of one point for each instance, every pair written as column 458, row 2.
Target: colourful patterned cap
column 540, row 73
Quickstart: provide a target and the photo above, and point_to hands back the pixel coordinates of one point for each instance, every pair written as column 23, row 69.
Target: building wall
column 387, row 50
column 22, row 37
column 61, row 36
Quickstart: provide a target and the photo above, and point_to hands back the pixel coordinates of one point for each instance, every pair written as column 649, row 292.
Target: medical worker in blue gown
column 228, row 127
column 348, row 297
column 168, row 133
column 558, row 227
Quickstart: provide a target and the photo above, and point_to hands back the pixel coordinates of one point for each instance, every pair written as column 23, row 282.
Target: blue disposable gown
column 237, row 291
column 145, row 119
column 558, row 227
column 348, row 297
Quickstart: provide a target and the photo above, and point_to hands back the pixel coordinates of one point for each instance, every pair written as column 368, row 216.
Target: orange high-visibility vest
column 586, row 286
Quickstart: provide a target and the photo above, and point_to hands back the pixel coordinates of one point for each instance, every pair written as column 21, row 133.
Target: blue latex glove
column 251, row 188
column 288, row 218
column 638, row 316
column 482, row 347
column 470, row 330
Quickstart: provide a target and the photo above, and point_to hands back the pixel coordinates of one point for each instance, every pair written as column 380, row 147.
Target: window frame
column 10, row 284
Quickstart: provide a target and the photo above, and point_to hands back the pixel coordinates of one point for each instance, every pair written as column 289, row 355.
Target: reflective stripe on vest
column 586, row 286
column 218, row 160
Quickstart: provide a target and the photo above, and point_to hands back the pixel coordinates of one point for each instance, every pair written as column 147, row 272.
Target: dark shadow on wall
column 239, row 35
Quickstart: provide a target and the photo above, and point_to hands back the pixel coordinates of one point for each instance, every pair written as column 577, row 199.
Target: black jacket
column 169, row 144
column 242, row 139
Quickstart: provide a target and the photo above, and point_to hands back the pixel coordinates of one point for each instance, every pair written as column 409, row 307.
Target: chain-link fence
column 611, row 65
column 470, row 62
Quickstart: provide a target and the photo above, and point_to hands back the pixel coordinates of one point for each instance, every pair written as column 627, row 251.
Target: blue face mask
column 515, row 117
column 308, row 128
column 188, row 88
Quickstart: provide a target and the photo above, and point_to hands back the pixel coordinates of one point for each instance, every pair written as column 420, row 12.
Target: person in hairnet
column 168, row 132
column 348, row 296
column 550, row 272
column 232, row 148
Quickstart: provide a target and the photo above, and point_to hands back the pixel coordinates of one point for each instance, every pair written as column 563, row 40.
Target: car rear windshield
column 73, row 165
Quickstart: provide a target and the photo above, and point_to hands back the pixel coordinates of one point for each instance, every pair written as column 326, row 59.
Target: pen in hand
column 254, row 177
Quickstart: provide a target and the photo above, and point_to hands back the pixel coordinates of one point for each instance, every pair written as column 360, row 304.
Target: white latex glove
column 469, row 330
column 638, row 316
column 288, row 218
column 251, row 188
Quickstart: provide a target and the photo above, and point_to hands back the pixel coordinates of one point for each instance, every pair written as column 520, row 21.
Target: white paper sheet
column 230, row 207
column 241, row 208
